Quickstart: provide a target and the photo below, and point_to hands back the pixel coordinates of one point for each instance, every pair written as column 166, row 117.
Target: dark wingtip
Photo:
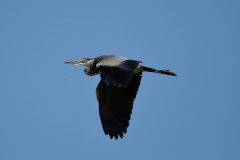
column 115, row 136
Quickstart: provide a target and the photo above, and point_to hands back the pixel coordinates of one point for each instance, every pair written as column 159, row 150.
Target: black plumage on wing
column 116, row 104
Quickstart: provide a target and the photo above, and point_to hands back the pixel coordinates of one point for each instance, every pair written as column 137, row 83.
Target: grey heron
column 117, row 89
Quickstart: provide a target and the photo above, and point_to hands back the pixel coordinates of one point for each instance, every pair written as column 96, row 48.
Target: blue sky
column 48, row 110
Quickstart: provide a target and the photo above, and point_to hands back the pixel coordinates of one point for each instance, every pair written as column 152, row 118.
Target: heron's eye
column 85, row 70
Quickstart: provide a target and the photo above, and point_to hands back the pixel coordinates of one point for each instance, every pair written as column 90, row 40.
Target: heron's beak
column 77, row 63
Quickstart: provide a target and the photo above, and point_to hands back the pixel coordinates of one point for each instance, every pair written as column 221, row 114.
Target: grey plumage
column 120, row 80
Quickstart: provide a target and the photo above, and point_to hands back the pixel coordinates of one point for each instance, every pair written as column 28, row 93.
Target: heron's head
column 81, row 62
column 88, row 63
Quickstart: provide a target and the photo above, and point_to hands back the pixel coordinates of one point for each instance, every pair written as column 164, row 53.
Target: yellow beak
column 72, row 62
column 77, row 63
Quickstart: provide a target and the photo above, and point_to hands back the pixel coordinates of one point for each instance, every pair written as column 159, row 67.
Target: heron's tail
column 167, row 72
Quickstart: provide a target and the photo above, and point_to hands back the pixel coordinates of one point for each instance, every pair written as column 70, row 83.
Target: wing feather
column 115, row 106
column 118, row 75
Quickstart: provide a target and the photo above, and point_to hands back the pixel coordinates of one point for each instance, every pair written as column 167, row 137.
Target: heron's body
column 120, row 80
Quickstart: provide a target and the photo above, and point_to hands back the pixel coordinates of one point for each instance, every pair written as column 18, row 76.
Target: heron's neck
column 91, row 68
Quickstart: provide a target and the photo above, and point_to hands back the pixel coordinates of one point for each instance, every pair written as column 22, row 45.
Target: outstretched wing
column 115, row 106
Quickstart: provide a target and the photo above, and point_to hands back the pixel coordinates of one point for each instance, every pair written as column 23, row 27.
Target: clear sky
column 49, row 111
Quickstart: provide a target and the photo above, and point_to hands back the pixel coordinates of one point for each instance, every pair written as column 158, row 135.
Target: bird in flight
column 117, row 89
